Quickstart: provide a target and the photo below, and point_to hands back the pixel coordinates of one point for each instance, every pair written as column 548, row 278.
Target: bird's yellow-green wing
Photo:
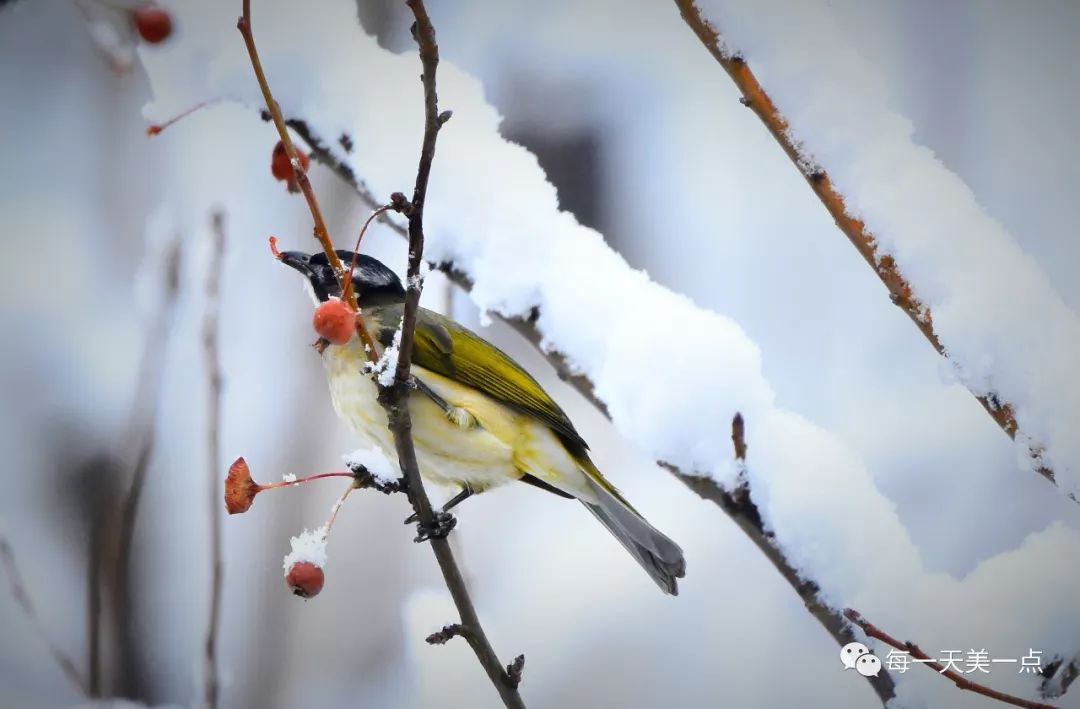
column 452, row 350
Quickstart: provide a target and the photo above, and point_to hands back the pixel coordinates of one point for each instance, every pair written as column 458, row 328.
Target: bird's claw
column 440, row 528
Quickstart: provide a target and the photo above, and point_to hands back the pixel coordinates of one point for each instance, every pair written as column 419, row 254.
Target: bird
column 479, row 420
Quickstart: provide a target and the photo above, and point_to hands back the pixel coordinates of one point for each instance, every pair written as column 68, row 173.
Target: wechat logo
column 858, row 657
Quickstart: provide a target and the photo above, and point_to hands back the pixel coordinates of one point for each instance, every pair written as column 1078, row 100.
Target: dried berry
column 334, row 321
column 152, row 23
column 305, row 579
column 240, row 489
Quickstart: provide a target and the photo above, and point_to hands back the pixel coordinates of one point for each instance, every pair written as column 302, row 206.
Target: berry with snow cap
column 305, row 579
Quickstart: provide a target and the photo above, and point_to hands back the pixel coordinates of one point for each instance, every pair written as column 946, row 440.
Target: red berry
column 152, row 23
column 281, row 168
column 334, row 321
column 305, row 579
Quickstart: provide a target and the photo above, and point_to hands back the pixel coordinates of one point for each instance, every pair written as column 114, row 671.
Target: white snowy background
column 879, row 472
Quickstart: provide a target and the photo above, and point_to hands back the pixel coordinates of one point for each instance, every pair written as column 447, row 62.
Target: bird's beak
column 298, row 260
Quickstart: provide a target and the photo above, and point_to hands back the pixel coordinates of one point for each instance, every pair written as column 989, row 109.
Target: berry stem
column 305, row 479
column 155, row 128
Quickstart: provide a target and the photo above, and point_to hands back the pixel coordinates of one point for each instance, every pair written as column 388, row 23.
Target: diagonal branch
column 322, row 234
column 959, row 680
column 395, row 397
column 23, row 598
column 900, row 292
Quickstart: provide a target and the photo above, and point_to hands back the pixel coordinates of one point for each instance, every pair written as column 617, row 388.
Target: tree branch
column 322, row 234
column 212, row 361
column 395, row 397
column 22, row 597
column 900, row 291
column 141, row 435
column 959, row 680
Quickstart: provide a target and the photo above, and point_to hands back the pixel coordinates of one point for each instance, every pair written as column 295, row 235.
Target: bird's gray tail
column 661, row 558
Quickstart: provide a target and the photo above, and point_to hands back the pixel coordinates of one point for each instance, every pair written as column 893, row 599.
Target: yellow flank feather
column 482, row 442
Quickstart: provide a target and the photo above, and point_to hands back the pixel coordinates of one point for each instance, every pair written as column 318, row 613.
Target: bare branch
column 900, row 291
column 141, row 435
column 395, row 397
column 322, row 234
column 958, row 679
column 212, row 362
column 22, row 597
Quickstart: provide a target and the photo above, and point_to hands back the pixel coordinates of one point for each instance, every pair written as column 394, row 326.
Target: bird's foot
column 440, row 528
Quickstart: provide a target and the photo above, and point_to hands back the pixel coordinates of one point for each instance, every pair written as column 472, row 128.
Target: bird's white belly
column 447, row 453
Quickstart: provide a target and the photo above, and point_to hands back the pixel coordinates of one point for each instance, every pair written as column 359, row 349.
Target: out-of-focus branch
column 141, row 437
column 736, row 504
column 395, row 397
column 958, row 679
column 900, row 292
column 212, row 362
column 22, row 597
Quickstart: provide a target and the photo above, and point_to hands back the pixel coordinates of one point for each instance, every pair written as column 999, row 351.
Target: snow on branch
column 961, row 278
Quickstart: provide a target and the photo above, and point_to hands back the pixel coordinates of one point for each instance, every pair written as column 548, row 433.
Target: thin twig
column 395, row 397
column 959, row 680
column 142, row 435
column 22, row 597
column 322, row 234
column 212, row 361
column 900, row 291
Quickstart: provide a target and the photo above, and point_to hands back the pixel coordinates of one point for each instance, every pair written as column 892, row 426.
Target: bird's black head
column 374, row 283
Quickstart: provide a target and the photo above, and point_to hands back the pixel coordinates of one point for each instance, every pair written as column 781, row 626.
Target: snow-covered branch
column 952, row 269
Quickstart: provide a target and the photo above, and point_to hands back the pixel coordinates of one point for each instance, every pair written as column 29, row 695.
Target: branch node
column 514, row 670
column 448, row 632
column 440, row 527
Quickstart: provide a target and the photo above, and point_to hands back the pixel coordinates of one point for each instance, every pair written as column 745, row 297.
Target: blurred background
column 643, row 136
